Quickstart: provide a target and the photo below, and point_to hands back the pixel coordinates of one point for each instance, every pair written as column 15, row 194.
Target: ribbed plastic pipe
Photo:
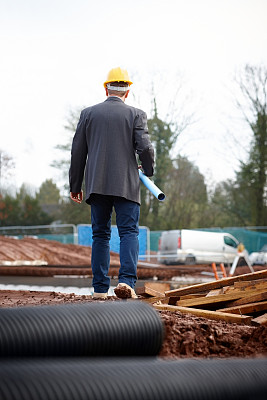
column 134, row 379
column 93, row 329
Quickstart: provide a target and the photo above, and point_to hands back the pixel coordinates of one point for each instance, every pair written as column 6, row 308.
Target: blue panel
column 85, row 238
column 142, row 241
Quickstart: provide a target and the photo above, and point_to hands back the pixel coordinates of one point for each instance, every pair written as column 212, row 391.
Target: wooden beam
column 201, row 287
column 261, row 320
column 153, row 292
column 214, row 315
column 140, row 291
column 190, row 296
column 250, row 289
column 153, row 289
column 252, row 298
column 253, row 283
column 155, row 299
column 221, row 298
column 246, row 308
column 158, row 286
column 214, row 292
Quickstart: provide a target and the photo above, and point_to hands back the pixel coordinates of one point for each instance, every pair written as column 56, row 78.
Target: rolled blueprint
column 151, row 186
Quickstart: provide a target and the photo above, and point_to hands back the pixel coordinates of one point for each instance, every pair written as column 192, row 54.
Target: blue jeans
column 127, row 220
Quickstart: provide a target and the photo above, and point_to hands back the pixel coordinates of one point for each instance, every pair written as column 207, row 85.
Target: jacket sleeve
column 143, row 146
column 78, row 156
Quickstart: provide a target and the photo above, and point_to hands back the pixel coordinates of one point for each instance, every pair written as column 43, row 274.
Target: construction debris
column 241, row 299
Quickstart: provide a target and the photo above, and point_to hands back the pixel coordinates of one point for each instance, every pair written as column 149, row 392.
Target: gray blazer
column 107, row 139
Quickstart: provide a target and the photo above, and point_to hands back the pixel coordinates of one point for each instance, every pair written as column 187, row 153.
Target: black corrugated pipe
column 133, row 379
column 94, row 329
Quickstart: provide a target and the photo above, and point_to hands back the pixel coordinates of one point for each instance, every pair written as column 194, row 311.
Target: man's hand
column 77, row 197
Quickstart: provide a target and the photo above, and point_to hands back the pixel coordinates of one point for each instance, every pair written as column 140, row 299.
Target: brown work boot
column 124, row 291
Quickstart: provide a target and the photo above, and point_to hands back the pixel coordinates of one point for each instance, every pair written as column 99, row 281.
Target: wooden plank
column 261, row 320
column 215, row 299
column 261, row 286
column 214, row 292
column 190, row 296
column 158, row 286
column 215, row 315
column 173, row 300
column 253, row 298
column 239, row 285
column 155, row 299
column 140, row 291
column 201, row 287
column 246, row 308
column 248, row 291
column 153, row 289
column 153, row 292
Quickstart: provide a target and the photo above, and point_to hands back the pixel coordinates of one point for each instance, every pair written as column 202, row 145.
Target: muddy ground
column 185, row 335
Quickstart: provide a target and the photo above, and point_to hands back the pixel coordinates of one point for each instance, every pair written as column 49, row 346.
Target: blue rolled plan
column 151, row 186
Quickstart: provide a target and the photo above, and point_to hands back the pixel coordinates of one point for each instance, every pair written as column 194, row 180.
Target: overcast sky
column 55, row 55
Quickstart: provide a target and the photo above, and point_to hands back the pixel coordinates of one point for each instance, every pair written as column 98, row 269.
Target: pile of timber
column 240, row 299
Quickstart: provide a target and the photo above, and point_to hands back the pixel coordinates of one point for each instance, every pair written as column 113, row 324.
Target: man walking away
column 108, row 137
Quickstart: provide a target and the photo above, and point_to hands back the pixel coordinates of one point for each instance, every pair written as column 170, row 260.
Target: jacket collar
column 113, row 98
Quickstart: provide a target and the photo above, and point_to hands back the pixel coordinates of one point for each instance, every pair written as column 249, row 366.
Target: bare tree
column 252, row 102
column 6, row 166
column 62, row 163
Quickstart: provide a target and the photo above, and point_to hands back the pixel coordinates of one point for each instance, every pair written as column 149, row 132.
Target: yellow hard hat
column 117, row 75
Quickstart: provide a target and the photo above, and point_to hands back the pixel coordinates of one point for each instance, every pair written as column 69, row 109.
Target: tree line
column 27, row 209
column 241, row 201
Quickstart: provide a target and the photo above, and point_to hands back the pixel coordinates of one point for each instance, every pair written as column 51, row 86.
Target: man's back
column 112, row 132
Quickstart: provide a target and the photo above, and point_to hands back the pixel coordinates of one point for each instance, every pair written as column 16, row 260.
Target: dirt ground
column 186, row 336
column 190, row 336
column 49, row 251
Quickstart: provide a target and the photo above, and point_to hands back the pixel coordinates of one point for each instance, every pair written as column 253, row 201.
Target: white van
column 196, row 247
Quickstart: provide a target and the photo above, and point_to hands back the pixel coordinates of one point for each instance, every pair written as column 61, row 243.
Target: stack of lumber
column 241, row 299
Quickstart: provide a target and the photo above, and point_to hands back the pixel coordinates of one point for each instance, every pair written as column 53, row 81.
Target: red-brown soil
column 40, row 257
column 48, row 251
column 190, row 336
column 185, row 335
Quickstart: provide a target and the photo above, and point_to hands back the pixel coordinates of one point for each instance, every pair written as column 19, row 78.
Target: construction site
column 190, row 327
column 223, row 317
